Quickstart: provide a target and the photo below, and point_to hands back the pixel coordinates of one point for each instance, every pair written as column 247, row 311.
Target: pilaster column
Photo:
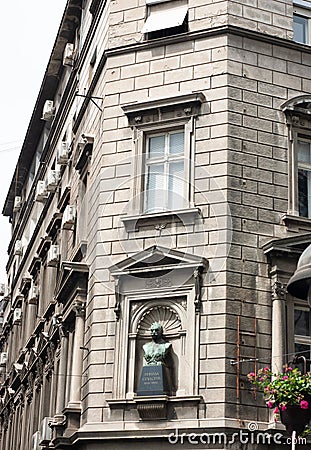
column 59, row 420
column 77, row 357
column 62, row 370
column 278, row 325
column 73, row 409
column 31, row 317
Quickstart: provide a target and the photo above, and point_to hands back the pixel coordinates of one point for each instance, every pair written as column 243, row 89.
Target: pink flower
column 276, row 410
column 266, row 369
column 285, row 377
column 288, row 369
column 283, row 408
column 251, row 375
column 270, row 404
column 304, row 404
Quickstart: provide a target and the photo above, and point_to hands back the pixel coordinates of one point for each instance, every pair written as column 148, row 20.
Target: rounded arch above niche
column 169, row 313
column 164, row 315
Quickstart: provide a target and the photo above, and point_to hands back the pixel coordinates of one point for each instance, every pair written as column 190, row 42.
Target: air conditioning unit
column 33, row 292
column 17, row 204
column 45, row 431
column 52, row 179
column 48, row 110
column 68, row 55
column 18, row 249
column 3, row 289
column 41, row 193
column 53, row 255
column 69, row 217
column 63, row 153
column 3, row 358
column 17, row 315
column 35, row 439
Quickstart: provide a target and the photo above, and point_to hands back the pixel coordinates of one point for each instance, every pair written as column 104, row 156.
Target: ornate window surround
column 156, row 116
column 298, row 120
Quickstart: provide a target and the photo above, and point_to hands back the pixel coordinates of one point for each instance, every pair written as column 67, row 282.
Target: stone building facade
column 164, row 177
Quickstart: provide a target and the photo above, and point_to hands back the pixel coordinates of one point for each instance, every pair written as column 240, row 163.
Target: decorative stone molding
column 117, row 306
column 152, row 409
column 39, row 374
column 157, row 407
column 188, row 103
column 186, row 217
column 49, row 366
column 197, row 274
column 79, row 309
column 278, row 291
column 29, row 389
column 164, row 315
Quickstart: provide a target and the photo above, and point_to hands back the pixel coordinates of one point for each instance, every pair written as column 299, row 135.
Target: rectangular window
column 301, row 29
column 165, row 172
column 304, row 176
column 301, row 21
column 166, row 19
column 302, row 327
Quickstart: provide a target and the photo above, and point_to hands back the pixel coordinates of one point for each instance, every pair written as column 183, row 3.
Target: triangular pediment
column 156, row 258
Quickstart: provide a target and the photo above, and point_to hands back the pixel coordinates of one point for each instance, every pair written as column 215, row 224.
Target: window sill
column 296, row 223
column 185, row 216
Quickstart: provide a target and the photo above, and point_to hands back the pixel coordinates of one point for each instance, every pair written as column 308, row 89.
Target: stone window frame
column 298, row 120
column 152, row 117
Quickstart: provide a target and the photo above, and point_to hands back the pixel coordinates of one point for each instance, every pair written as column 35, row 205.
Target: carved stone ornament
column 278, row 291
column 5, row 419
column 117, row 305
column 163, row 315
column 153, row 410
column 79, row 309
column 29, row 390
column 299, row 121
column 49, row 367
column 197, row 274
column 39, row 374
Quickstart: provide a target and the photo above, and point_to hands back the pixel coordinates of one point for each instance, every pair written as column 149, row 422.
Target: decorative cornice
column 182, row 99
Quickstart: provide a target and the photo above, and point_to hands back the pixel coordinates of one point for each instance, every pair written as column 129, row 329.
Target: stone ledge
column 156, row 407
column 185, row 216
column 296, row 223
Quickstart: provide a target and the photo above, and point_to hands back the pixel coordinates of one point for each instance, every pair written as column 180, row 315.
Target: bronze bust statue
column 156, row 351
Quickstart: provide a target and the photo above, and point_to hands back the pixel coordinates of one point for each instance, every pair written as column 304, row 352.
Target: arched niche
column 171, row 315
column 157, row 285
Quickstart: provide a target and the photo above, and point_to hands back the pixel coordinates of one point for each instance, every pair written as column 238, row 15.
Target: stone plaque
column 153, row 381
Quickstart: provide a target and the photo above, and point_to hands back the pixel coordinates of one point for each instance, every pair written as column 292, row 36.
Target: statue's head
column 156, row 331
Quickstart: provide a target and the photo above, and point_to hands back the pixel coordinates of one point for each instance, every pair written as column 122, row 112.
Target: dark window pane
column 304, row 151
column 302, row 322
column 302, row 350
column 303, row 192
